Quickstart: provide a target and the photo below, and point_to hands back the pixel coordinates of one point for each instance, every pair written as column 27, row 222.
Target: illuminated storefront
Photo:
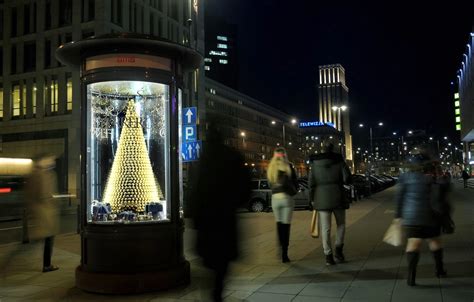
column 131, row 191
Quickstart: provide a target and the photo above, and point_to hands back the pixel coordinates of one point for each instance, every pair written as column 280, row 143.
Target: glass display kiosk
column 131, row 227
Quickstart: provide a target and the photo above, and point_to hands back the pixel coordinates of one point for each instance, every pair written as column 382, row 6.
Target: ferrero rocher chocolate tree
column 131, row 182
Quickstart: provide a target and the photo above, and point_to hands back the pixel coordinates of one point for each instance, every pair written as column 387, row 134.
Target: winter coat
column 286, row 183
column 220, row 184
column 329, row 173
column 421, row 200
column 465, row 175
column 42, row 208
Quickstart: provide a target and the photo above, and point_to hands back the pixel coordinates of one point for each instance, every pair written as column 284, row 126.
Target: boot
column 412, row 260
column 339, row 255
column 330, row 260
column 279, row 232
column 285, row 242
column 438, row 257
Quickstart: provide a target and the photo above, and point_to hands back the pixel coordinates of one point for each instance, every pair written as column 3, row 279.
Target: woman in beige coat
column 40, row 187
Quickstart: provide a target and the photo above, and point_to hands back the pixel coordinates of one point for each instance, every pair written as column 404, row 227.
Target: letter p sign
column 189, row 133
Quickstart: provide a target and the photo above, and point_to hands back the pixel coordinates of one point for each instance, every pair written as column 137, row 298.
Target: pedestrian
column 283, row 182
column 220, row 184
column 465, row 176
column 329, row 172
column 421, row 204
column 42, row 207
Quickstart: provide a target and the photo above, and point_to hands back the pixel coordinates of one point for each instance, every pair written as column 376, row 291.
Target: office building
column 221, row 62
column 334, row 107
column 466, row 98
column 253, row 128
column 40, row 98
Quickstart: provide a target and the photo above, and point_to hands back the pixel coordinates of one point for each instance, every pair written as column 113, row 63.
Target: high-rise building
column 334, row 102
column 40, row 98
column 221, row 52
column 466, row 98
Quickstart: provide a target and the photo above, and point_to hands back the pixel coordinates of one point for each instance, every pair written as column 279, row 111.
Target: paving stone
column 267, row 297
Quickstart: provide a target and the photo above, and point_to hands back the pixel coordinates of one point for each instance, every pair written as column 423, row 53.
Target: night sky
column 400, row 59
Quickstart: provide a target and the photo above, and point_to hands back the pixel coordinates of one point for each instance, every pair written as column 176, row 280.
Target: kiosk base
column 133, row 283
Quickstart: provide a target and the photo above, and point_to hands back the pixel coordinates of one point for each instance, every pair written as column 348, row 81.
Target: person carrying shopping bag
column 283, row 182
column 422, row 207
column 327, row 177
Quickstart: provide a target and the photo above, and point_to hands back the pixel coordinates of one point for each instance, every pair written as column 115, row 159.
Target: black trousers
column 48, row 251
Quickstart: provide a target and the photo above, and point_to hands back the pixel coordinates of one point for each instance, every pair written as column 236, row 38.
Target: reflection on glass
column 127, row 152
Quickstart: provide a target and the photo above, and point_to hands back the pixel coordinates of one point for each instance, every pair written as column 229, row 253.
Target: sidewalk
column 374, row 272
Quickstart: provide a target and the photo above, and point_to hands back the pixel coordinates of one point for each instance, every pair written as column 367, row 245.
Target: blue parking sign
column 189, row 133
column 191, row 151
column 189, row 115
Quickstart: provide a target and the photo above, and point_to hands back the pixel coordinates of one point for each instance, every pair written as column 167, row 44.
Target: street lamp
column 293, row 122
column 243, row 137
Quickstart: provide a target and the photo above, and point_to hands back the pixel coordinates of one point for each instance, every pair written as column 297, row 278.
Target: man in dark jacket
column 329, row 173
column 220, row 184
column 465, row 177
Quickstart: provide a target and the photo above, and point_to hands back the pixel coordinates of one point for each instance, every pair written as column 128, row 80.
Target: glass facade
column 128, row 160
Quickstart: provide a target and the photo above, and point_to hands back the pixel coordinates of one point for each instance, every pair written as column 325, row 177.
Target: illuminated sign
column 128, row 60
column 315, row 124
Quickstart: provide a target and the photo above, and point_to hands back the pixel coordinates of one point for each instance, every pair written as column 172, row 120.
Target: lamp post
column 283, row 129
column 380, row 124
column 243, row 138
column 339, row 121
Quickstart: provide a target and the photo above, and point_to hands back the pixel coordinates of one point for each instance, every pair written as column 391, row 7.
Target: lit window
column 223, row 46
column 222, row 38
column 456, row 95
column 458, row 119
column 1, row 102
column 207, row 68
column 207, row 60
column 218, row 53
column 457, row 111
column 456, row 104
column 16, row 100
column 223, row 61
column 458, row 126
column 69, row 93
column 23, row 97
column 33, row 99
column 54, row 95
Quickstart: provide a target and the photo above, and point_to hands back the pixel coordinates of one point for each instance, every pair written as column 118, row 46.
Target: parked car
column 362, row 185
column 261, row 196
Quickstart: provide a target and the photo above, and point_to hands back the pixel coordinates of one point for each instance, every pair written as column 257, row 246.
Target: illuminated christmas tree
column 131, row 183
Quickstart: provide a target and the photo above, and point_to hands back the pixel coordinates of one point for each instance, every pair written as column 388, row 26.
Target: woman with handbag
column 421, row 204
column 282, row 178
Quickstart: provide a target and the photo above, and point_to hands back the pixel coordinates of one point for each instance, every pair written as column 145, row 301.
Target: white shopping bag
column 394, row 234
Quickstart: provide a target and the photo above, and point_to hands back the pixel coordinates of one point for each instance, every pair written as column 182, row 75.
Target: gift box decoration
column 100, row 210
column 153, row 207
column 126, row 215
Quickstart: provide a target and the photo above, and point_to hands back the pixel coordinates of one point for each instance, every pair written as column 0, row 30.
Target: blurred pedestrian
column 329, row 172
column 42, row 207
column 220, row 184
column 465, row 176
column 283, row 182
column 421, row 205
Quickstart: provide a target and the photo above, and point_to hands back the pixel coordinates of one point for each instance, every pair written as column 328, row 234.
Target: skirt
column 425, row 232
